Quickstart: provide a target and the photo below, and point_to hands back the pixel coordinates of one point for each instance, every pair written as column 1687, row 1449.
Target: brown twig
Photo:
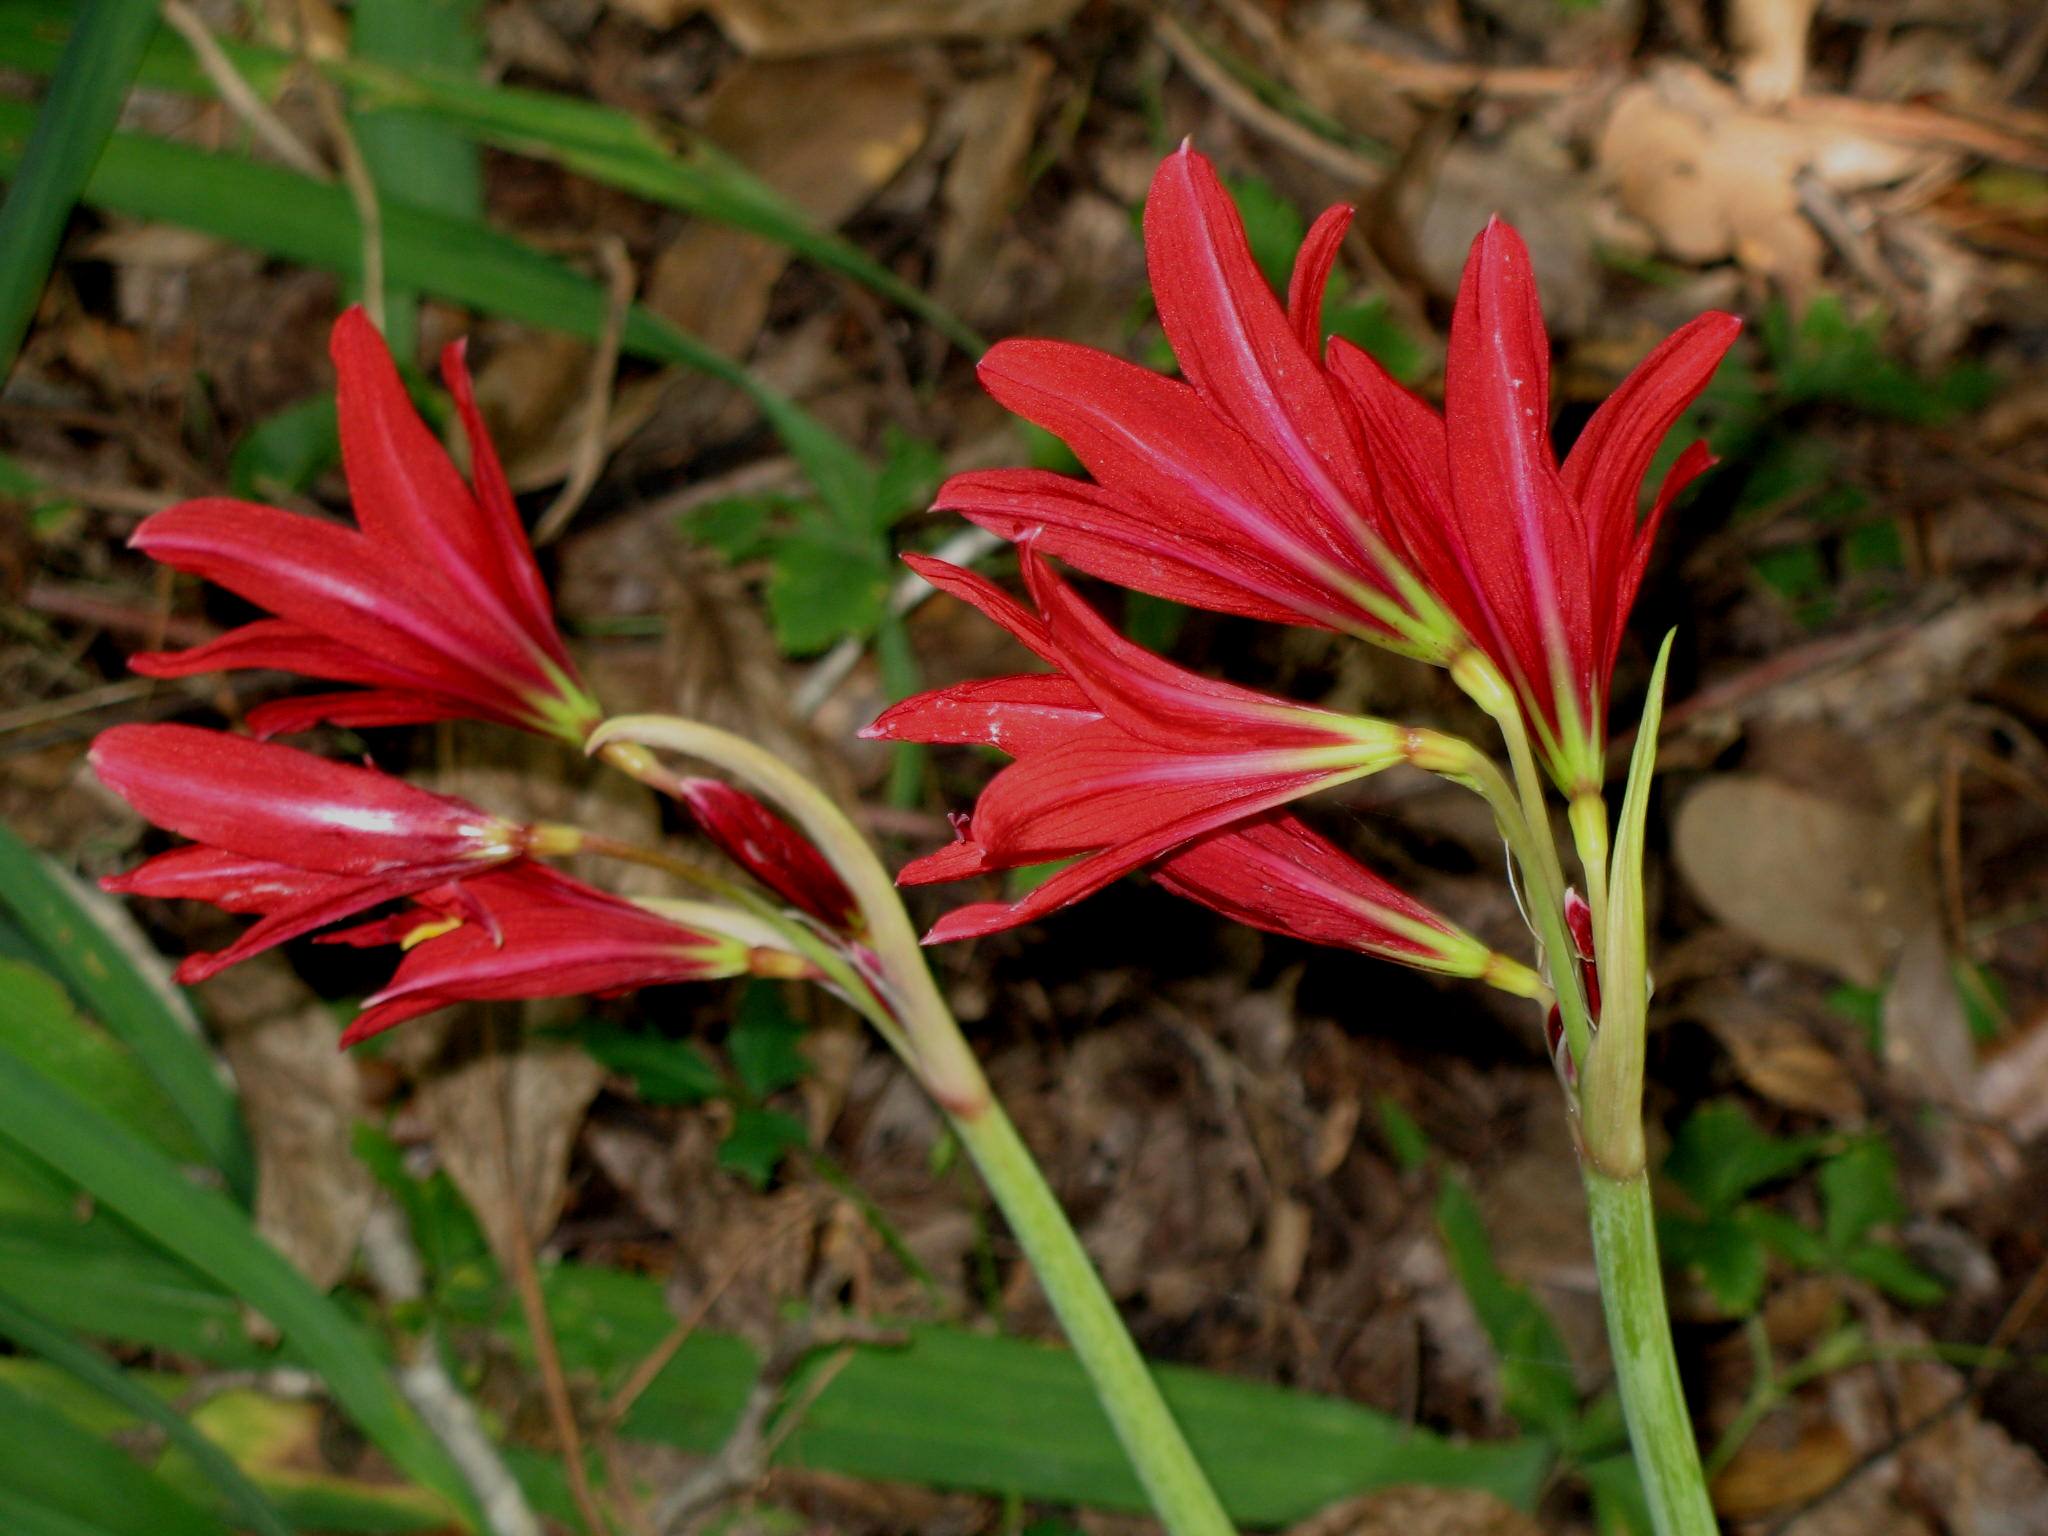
column 586, row 460
column 540, row 1328
column 355, row 170
column 1347, row 166
column 240, row 96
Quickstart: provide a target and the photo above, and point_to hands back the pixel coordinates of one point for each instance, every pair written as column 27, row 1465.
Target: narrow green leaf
column 149, row 1019
column 91, row 81
column 292, row 216
column 206, row 1231
column 413, row 156
column 40, row 1337
column 1536, row 1370
column 46, row 1461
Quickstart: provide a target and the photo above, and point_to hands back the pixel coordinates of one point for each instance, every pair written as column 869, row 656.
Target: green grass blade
column 46, row 905
column 40, row 1337
column 86, row 91
column 49, row 1463
column 292, row 216
column 586, row 137
column 415, row 158
column 201, row 1227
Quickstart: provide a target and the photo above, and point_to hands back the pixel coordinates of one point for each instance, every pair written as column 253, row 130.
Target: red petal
column 957, row 581
column 407, row 494
column 1019, row 714
column 1156, row 701
column 233, row 882
column 1686, row 468
column 1276, row 874
column 769, row 849
column 1236, row 346
column 273, row 802
column 1123, row 540
column 327, row 579
column 1524, row 535
column 1311, row 277
column 1151, row 440
column 518, row 575
column 378, row 706
column 557, row 938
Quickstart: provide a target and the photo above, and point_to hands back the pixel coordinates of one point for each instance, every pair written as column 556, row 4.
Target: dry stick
column 1344, row 164
column 395, row 1272
column 540, row 1328
column 240, row 96
column 355, row 170
column 586, row 461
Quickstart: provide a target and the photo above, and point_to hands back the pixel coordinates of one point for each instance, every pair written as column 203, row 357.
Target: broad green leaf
column 204, row 1229
column 827, row 583
column 149, row 1019
column 286, row 453
column 1619, row 1507
column 40, row 1337
column 955, row 1409
column 758, row 1142
column 78, row 112
column 1790, row 1240
column 1892, row 1272
column 664, row 1070
column 1719, row 1155
column 1859, row 1189
column 1729, row 1258
column 39, row 1025
column 47, row 1461
column 766, row 1041
column 1536, row 1371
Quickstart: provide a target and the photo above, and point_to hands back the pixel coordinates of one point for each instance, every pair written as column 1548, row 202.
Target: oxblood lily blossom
column 1133, row 762
column 1539, row 562
column 766, row 847
column 1244, row 489
column 280, row 832
column 432, row 605
column 526, row 931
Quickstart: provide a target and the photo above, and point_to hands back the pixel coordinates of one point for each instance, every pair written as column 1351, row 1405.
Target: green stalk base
column 1639, row 1332
column 1173, row 1480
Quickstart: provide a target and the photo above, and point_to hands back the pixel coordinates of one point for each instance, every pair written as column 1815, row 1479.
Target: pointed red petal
column 1122, row 539
column 273, row 802
column 769, row 849
column 517, row 574
column 372, row 707
column 1278, row 875
column 1311, row 276
column 1524, row 534
column 970, row 587
column 1156, row 701
column 1018, row 714
column 1236, row 346
column 406, row 491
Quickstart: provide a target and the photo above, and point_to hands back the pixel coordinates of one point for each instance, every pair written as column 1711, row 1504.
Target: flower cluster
column 434, row 607
column 1279, row 479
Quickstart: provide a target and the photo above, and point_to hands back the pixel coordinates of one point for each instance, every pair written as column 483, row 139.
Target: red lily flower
column 433, row 603
column 546, row 935
column 1120, row 755
column 1539, row 563
column 1244, row 489
column 283, row 833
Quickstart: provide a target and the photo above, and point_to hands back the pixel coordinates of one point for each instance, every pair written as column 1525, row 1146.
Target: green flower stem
column 914, row 1018
column 1639, row 1333
column 1173, row 1479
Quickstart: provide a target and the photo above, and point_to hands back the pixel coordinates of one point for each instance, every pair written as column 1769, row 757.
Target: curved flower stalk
column 1282, row 481
column 435, row 608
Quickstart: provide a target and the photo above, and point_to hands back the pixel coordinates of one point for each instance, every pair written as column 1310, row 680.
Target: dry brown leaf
column 996, row 121
column 1713, row 179
column 301, row 1100
column 1775, row 1056
column 786, row 28
column 1763, row 1477
column 1801, row 875
column 861, row 119
column 538, row 1091
column 1420, row 1511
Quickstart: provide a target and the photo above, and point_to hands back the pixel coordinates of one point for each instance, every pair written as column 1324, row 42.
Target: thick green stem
column 1639, row 1332
column 1173, row 1480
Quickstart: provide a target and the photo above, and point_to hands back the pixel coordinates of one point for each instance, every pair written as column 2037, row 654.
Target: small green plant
column 1722, row 1162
